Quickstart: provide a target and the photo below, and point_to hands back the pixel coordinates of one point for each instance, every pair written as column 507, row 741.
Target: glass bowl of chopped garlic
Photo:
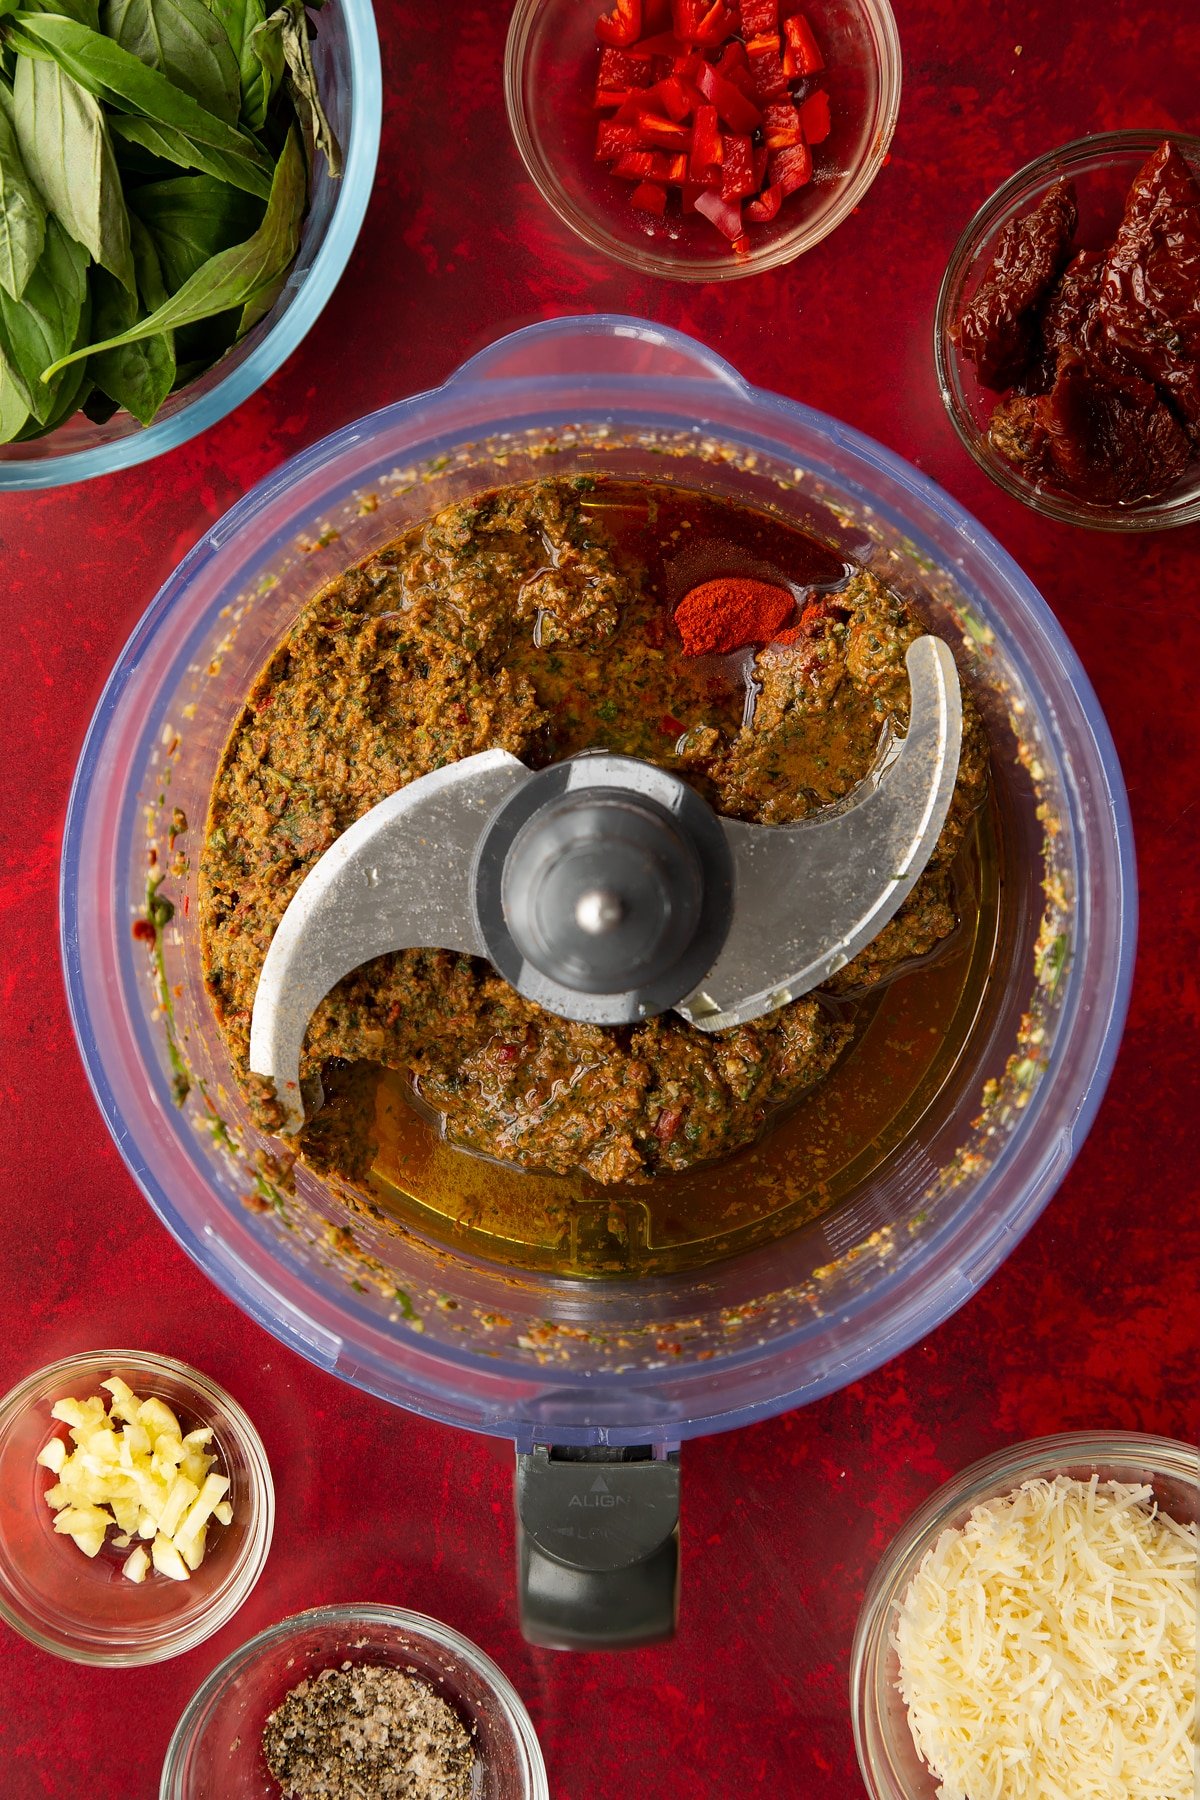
column 362, row 1699
column 136, row 1507
column 1032, row 1630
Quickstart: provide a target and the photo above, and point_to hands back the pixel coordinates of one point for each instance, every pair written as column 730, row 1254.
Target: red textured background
column 1092, row 1322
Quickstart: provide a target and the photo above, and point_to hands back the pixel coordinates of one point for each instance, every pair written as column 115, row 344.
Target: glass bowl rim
column 245, row 378
column 353, row 1614
column 1002, row 1471
column 1137, row 141
column 243, row 1576
column 784, row 250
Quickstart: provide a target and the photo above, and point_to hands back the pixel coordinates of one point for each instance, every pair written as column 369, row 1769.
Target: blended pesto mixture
column 538, row 619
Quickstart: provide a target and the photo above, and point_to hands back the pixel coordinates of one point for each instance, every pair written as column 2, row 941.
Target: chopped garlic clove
column 131, row 1467
column 192, row 1549
column 167, row 1559
column 53, row 1455
column 136, row 1565
column 182, row 1493
column 158, row 1419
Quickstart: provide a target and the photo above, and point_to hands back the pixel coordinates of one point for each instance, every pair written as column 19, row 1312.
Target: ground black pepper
column 368, row 1732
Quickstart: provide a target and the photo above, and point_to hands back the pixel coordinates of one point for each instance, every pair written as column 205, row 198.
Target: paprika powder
column 729, row 613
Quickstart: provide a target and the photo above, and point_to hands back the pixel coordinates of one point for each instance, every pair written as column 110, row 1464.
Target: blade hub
column 605, row 879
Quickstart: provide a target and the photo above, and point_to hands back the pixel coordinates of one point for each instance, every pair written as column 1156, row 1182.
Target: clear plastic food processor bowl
column 525, row 1355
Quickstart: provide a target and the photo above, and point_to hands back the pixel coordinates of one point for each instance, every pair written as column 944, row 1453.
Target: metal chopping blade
column 605, row 889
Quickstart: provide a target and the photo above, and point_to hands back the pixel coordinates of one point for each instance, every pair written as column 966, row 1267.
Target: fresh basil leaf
column 14, row 408
column 185, row 41
column 137, row 376
column 113, row 74
column 169, row 145
column 290, row 21
column 72, row 388
column 190, row 218
column 234, row 276
column 22, row 215
column 65, row 145
column 86, row 11
column 44, row 324
column 258, row 79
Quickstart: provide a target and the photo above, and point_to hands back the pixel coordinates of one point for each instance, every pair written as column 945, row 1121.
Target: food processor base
column 597, row 1546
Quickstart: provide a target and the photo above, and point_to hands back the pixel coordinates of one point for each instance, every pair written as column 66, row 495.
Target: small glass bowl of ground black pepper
column 80, row 1598
column 315, row 1697
column 1068, row 412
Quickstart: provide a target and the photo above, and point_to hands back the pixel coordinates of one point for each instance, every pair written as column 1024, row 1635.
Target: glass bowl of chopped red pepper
column 1067, row 332
column 218, row 1746
column 703, row 139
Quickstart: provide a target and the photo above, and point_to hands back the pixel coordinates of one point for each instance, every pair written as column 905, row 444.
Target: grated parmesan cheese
column 1048, row 1648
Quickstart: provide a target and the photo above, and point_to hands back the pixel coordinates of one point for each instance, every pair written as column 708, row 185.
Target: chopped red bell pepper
column 726, row 215
column 703, row 22
column 791, row 168
column 663, row 43
column 814, row 117
column 766, row 67
column 678, row 98
column 655, row 133
column 737, row 167
column 705, row 102
column 649, row 198
column 614, row 139
column 622, row 26
column 758, row 16
column 643, row 165
column 803, row 45
column 715, row 25
column 735, row 110
column 766, row 206
column 707, row 153
column 620, row 69
column 734, row 67
column 781, row 125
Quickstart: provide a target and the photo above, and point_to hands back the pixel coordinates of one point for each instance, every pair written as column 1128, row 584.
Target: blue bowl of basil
column 181, row 184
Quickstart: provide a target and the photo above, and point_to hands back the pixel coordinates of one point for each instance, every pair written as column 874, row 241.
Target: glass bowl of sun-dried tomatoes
column 1067, row 332
column 703, row 139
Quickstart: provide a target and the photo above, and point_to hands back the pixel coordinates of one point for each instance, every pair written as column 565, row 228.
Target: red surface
column 1091, row 1323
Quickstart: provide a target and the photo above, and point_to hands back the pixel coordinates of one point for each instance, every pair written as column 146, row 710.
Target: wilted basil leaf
column 289, row 23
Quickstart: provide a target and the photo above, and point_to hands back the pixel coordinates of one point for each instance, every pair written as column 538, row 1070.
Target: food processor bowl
column 613, row 1362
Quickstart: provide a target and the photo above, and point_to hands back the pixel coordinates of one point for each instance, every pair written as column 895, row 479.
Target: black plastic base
column 597, row 1546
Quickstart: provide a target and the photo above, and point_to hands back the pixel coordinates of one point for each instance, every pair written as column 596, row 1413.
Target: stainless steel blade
column 809, row 897
column 399, row 877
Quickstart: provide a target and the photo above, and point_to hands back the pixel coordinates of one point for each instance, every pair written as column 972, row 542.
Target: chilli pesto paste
column 542, row 619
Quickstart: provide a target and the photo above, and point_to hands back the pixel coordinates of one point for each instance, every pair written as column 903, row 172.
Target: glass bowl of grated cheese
column 1032, row 1630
